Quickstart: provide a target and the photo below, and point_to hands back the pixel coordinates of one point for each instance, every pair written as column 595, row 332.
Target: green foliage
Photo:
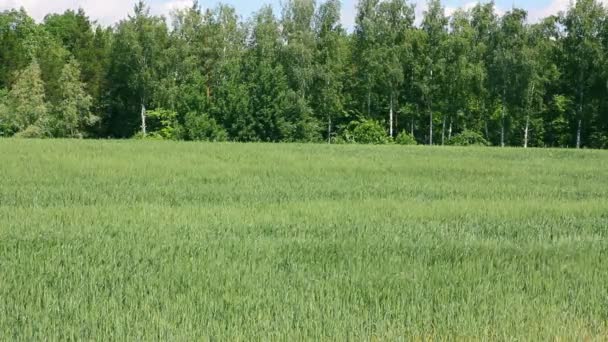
column 364, row 132
column 599, row 140
column 328, row 98
column 301, row 76
column 303, row 127
column 468, row 138
column 91, row 49
column 73, row 112
column 561, row 108
column 27, row 102
column 269, row 88
column 404, row 138
column 32, row 132
column 201, row 127
column 163, row 124
column 136, row 65
column 6, row 128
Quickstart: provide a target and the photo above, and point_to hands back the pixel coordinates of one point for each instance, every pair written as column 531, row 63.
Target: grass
column 127, row 240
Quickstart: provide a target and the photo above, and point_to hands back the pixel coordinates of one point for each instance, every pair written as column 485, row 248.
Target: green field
column 123, row 240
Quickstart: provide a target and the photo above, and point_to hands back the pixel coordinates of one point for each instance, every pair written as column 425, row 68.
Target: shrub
column 31, row 132
column 148, row 136
column 405, row 138
column 598, row 140
column 163, row 124
column 204, row 128
column 468, row 138
column 6, row 124
column 364, row 132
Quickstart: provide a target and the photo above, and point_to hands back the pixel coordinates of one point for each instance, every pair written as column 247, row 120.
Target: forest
column 473, row 77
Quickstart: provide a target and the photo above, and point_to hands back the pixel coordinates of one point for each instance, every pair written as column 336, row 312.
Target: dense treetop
column 299, row 75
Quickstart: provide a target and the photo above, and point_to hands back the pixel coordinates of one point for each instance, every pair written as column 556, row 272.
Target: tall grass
column 112, row 240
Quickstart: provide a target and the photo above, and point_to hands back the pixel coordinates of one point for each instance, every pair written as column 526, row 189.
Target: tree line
column 299, row 75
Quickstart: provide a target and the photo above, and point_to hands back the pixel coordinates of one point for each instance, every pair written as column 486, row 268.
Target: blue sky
column 110, row 11
column 247, row 7
column 537, row 8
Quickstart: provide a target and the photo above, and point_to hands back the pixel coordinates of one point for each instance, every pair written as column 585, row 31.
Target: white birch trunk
column 143, row 119
column 443, row 132
column 391, row 118
column 369, row 102
column 431, row 127
column 578, row 133
column 412, row 128
column 329, row 130
column 526, row 131
column 502, row 127
column 487, row 130
column 581, row 95
column 450, row 131
column 431, row 114
column 328, row 118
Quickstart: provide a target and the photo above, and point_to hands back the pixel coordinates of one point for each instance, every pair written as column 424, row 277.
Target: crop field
column 133, row 240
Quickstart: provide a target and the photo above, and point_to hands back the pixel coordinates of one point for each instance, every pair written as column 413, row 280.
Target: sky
column 108, row 12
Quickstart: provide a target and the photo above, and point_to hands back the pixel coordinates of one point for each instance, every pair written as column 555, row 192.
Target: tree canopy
column 299, row 75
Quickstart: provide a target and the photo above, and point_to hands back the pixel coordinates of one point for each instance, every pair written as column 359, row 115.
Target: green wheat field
column 144, row 240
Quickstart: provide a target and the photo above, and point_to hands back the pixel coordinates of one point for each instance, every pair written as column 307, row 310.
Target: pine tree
column 267, row 83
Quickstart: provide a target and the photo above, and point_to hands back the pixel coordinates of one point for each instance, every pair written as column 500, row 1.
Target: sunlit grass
column 180, row 241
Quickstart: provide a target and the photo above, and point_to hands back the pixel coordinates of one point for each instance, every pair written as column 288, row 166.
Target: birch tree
column 396, row 18
column 328, row 91
column 434, row 26
column 27, row 102
column 583, row 53
column 364, row 54
column 136, row 54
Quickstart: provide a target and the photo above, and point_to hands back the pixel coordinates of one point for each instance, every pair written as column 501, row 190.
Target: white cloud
column 536, row 14
column 450, row 10
column 106, row 12
column 171, row 6
column 421, row 7
column 554, row 7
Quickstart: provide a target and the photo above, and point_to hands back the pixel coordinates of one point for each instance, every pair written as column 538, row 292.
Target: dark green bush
column 363, row 132
column 204, row 128
column 468, row 138
column 404, row 138
column 163, row 124
column 31, row 132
